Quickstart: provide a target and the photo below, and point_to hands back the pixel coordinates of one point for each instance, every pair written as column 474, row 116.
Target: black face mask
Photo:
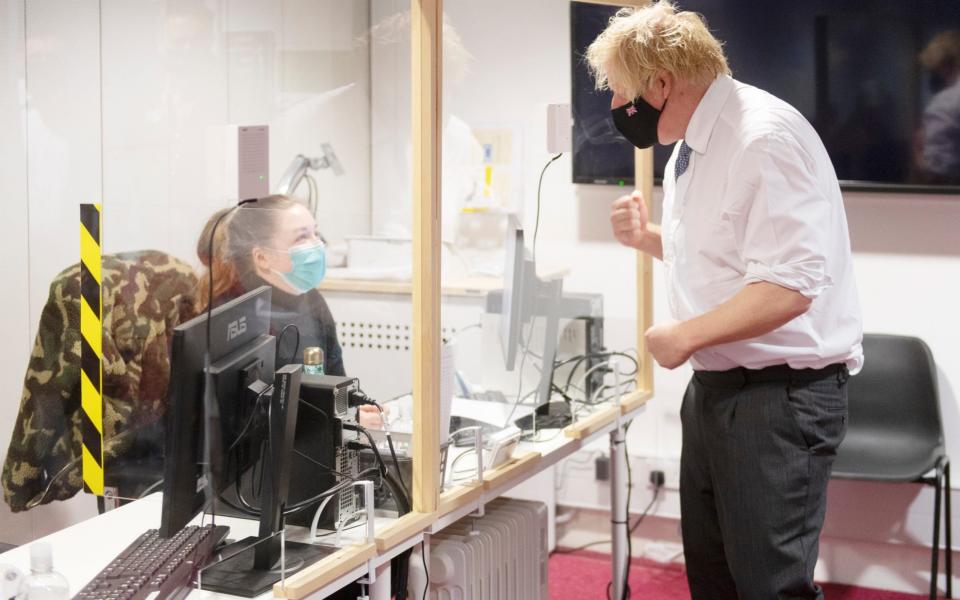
column 637, row 121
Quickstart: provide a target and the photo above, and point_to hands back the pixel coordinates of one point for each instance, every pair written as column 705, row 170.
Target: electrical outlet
column 602, row 468
column 669, row 467
column 657, row 478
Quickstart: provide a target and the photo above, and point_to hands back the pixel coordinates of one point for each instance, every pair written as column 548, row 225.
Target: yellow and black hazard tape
column 91, row 348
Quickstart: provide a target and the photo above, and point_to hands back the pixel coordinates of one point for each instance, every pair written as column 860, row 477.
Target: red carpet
column 584, row 575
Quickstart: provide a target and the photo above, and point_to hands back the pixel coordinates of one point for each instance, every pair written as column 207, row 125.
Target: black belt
column 740, row 376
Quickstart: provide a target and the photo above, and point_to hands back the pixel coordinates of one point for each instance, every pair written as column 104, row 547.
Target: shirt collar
column 707, row 112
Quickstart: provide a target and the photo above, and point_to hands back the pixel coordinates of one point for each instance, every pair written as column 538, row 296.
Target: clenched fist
column 668, row 345
column 628, row 216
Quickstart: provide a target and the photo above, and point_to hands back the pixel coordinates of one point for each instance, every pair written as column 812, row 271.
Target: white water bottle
column 44, row 583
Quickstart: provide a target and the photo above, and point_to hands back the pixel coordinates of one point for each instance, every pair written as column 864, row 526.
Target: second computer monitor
column 512, row 302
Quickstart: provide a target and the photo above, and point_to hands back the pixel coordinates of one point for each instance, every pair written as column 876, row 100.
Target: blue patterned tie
column 683, row 160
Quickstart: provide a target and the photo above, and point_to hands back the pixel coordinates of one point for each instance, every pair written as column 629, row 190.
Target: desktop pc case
column 324, row 405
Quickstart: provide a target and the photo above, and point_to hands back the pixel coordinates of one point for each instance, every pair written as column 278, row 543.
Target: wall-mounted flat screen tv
column 878, row 79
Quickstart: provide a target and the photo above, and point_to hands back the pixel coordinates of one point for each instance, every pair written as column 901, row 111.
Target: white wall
column 13, row 185
column 906, row 257
column 128, row 103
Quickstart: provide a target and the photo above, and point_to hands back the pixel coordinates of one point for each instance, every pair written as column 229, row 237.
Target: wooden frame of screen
column 426, row 53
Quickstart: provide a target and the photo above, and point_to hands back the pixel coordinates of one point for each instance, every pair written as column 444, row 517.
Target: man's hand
column 628, row 216
column 668, row 344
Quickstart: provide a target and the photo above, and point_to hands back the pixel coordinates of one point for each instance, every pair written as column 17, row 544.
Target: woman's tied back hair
column 242, row 229
column 640, row 42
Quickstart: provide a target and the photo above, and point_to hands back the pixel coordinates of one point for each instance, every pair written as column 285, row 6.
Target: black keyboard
column 154, row 567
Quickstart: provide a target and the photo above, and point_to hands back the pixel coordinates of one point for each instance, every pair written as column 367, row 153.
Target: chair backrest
column 145, row 295
column 896, row 393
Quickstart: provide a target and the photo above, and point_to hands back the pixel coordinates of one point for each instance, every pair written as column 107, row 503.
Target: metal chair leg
column 948, row 558
column 937, row 498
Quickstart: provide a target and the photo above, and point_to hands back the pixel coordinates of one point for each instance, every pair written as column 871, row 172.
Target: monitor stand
column 239, row 575
column 251, row 567
column 549, row 415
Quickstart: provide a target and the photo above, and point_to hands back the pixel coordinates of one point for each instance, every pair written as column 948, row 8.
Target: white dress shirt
column 760, row 201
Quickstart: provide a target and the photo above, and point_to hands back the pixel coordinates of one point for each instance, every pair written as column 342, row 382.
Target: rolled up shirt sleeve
column 786, row 234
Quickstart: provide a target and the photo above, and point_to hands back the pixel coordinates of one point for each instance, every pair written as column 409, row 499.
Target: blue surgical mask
column 309, row 266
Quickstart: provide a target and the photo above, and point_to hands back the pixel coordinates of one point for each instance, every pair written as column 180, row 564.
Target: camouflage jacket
column 145, row 295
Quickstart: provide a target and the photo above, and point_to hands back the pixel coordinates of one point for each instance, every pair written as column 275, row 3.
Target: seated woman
column 274, row 241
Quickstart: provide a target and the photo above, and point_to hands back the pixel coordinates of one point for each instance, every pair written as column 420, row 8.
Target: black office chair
column 894, row 433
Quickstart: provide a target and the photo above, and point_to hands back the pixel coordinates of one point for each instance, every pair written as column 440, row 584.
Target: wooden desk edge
column 634, row 400
column 590, row 424
column 459, row 496
column 323, row 572
column 468, row 286
column 513, row 469
column 406, row 526
column 404, row 288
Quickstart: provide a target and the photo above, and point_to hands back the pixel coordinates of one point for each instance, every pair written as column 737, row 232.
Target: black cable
column 213, row 235
column 331, row 491
column 206, row 352
column 398, row 491
column 373, row 444
column 259, row 489
column 656, row 493
column 321, row 465
column 263, row 471
column 523, row 362
column 296, row 347
column 582, row 357
column 402, row 562
column 626, row 517
column 578, row 360
column 250, row 509
column 536, row 226
column 536, row 231
column 396, row 463
column 393, row 453
column 246, row 426
column 633, row 528
column 403, row 505
column 423, row 557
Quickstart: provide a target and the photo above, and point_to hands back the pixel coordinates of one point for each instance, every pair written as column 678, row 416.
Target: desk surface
column 82, row 550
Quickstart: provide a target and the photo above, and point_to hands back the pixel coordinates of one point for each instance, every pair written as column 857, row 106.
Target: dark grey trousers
column 757, row 450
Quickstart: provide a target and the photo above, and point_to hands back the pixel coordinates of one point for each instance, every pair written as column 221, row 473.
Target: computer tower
column 383, row 498
column 321, row 459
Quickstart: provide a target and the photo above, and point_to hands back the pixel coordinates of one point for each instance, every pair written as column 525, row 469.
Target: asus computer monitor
column 241, row 361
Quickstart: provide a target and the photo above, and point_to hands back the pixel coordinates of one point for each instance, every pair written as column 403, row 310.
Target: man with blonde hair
column 759, row 278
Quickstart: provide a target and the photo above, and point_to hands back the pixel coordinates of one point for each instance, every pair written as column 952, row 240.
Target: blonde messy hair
column 943, row 51
column 639, row 42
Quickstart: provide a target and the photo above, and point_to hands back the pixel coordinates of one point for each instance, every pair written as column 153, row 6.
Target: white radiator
column 500, row 556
